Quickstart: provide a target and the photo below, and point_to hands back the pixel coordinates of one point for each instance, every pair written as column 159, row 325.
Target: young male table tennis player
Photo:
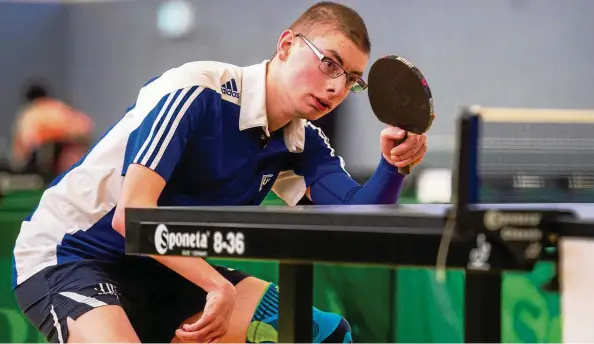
column 205, row 133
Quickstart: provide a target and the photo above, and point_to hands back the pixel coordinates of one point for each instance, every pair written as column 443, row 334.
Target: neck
column 276, row 112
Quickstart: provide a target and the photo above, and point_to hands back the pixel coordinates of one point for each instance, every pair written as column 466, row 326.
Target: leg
column 249, row 292
column 161, row 300
column 76, row 302
column 107, row 324
column 330, row 328
column 327, row 327
column 255, row 318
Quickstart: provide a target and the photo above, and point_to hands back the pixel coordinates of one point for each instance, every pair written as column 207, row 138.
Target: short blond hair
column 337, row 17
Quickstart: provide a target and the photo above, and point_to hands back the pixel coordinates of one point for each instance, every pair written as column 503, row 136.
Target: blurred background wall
column 34, row 43
column 535, row 53
column 95, row 55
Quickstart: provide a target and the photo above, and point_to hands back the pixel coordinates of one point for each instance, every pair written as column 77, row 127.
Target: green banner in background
column 14, row 328
column 529, row 314
column 430, row 311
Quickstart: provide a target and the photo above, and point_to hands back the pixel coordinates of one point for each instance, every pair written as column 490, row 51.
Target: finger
column 202, row 336
column 215, row 334
column 205, row 320
column 405, row 162
column 196, row 331
column 210, row 332
column 185, row 337
column 417, row 144
column 411, row 142
column 418, row 141
column 393, row 133
column 415, row 159
column 421, row 157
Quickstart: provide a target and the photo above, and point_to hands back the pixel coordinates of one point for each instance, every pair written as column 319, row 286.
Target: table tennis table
column 298, row 237
column 482, row 239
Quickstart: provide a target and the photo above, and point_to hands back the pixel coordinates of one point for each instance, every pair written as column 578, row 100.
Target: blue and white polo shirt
column 203, row 128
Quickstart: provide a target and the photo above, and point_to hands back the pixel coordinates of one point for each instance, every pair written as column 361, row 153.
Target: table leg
column 482, row 307
column 295, row 303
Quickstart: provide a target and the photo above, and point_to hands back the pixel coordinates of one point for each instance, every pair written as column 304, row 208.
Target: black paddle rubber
column 400, row 96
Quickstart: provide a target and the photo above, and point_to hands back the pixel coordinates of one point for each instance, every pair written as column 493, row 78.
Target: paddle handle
column 408, row 168
column 405, row 170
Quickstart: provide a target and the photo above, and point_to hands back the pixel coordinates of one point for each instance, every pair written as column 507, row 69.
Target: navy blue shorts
column 156, row 299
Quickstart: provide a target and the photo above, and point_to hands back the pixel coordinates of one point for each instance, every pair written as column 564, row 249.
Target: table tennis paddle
column 400, row 96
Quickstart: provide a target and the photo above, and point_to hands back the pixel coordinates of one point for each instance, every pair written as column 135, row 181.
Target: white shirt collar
column 252, row 111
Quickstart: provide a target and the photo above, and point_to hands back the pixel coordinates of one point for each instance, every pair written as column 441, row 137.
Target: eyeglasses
column 334, row 70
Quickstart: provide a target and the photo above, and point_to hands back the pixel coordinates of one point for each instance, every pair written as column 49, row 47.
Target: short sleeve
column 160, row 139
column 317, row 160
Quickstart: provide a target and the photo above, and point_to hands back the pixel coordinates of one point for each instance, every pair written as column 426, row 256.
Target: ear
column 284, row 44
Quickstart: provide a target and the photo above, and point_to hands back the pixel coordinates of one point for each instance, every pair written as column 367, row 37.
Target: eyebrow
column 341, row 61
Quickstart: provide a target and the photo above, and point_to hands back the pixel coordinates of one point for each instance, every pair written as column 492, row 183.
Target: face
column 319, row 71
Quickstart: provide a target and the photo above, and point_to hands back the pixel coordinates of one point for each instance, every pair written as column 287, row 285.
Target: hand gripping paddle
column 400, row 96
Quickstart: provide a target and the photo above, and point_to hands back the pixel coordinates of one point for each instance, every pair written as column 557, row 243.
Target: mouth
column 322, row 104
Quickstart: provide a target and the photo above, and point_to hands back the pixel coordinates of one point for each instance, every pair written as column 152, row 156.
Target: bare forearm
column 196, row 270
column 141, row 189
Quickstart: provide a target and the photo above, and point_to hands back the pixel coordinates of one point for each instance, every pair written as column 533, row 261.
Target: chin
column 311, row 114
column 319, row 115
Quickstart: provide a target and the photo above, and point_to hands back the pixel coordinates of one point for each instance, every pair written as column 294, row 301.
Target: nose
column 336, row 86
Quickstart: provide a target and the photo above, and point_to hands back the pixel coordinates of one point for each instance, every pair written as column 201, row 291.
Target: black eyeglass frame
column 358, row 84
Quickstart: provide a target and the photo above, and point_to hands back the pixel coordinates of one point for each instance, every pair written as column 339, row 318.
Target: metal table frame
column 392, row 236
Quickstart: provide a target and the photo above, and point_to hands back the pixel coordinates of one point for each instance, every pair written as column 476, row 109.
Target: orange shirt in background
column 50, row 121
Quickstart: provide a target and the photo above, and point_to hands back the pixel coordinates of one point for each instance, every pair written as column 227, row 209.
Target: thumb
column 393, row 133
column 198, row 324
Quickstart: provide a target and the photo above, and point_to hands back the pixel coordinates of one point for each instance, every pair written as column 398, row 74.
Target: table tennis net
column 536, row 162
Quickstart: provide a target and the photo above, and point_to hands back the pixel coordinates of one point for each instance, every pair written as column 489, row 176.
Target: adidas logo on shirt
column 230, row 88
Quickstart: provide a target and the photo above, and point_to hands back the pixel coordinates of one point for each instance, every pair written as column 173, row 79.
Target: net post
column 467, row 181
column 482, row 296
column 295, row 302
